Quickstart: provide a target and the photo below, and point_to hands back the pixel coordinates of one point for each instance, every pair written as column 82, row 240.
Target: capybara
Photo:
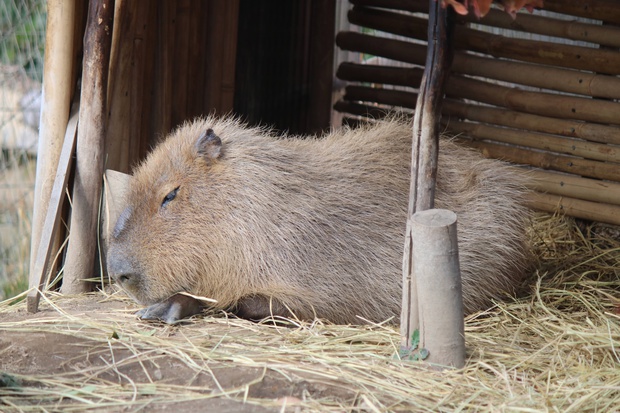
column 312, row 227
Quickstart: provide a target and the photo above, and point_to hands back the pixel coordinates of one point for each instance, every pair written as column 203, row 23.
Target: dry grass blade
column 557, row 348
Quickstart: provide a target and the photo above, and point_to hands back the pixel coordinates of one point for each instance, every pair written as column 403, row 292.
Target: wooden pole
column 57, row 79
column 438, row 279
column 425, row 148
column 80, row 260
column 41, row 268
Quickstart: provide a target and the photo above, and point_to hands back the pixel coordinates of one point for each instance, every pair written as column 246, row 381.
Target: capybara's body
column 315, row 226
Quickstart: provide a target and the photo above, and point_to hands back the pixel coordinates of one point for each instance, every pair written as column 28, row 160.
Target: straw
column 556, row 348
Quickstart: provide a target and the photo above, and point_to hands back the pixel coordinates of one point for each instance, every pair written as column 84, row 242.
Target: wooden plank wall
column 171, row 61
column 284, row 69
column 551, row 104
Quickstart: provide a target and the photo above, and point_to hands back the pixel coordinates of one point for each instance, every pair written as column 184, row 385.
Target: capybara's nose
column 121, row 270
column 127, row 279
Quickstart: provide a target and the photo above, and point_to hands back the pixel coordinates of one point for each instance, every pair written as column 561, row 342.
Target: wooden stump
column 438, row 278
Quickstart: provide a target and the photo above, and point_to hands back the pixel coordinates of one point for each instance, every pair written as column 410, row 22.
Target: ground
column 223, row 386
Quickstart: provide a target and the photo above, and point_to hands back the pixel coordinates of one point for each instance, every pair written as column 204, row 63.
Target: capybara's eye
column 169, row 197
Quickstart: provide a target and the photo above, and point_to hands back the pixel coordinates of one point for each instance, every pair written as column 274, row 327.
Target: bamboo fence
column 549, row 102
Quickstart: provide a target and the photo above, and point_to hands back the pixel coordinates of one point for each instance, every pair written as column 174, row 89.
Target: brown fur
column 317, row 225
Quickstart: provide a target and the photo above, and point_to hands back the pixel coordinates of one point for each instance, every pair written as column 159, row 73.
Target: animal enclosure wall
column 547, row 99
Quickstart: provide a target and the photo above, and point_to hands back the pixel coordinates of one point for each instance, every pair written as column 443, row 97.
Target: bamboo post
column 425, row 148
column 80, row 260
column 438, row 278
column 57, row 75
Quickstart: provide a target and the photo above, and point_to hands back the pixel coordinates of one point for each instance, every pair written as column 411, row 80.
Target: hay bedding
column 556, row 349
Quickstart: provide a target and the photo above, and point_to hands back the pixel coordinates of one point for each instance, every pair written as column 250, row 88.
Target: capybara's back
column 313, row 226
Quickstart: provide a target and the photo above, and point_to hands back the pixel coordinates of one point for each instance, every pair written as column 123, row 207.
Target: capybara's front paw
column 172, row 310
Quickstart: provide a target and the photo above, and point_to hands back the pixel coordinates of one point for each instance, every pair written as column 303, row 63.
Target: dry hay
column 556, row 349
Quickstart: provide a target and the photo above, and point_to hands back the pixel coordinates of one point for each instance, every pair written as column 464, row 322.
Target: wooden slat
column 546, row 53
column 388, row 75
column 146, row 67
column 563, row 107
column 574, row 186
column 520, row 137
column 383, row 96
column 200, row 22
column 564, row 80
column 229, row 57
column 593, row 211
column 371, row 112
column 546, row 104
column 392, row 49
column 526, row 22
column 534, row 51
column 180, row 59
column 221, row 43
column 545, row 77
column 120, row 130
column 566, row 127
column 41, row 266
column 583, row 167
column 321, row 63
column 386, row 21
column 568, row 185
column 547, row 160
column 498, row 116
column 605, row 10
column 533, row 24
column 164, row 82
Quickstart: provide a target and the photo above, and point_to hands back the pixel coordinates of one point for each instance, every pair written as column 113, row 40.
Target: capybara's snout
column 125, row 273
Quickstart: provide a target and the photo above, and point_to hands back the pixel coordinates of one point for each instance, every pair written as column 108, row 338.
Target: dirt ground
column 39, row 347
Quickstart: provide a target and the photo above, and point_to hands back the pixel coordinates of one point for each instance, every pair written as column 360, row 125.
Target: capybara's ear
column 209, row 144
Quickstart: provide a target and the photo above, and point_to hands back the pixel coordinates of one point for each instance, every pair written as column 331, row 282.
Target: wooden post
column 424, row 158
column 57, row 77
column 438, row 278
column 81, row 251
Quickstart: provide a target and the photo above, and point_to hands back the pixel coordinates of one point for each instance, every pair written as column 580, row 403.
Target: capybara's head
column 156, row 248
